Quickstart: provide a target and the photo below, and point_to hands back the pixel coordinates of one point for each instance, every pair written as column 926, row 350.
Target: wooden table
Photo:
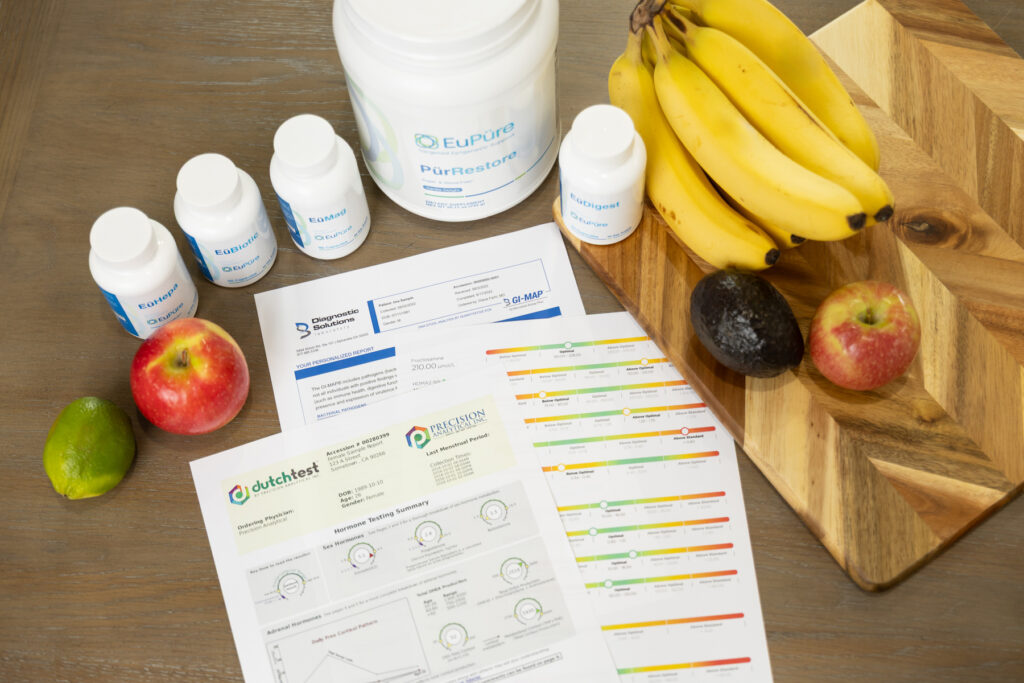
column 100, row 104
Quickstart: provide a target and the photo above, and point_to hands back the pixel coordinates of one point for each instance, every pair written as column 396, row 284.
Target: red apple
column 189, row 377
column 864, row 335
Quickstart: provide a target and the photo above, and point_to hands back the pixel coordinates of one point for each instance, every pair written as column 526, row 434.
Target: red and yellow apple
column 189, row 377
column 864, row 335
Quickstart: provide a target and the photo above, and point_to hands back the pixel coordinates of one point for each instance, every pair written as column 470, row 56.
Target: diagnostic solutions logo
column 417, row 437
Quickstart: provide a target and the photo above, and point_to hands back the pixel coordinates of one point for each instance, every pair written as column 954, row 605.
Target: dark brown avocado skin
column 745, row 323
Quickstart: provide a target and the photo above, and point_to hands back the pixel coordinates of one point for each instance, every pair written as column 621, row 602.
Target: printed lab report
column 328, row 341
column 646, row 482
column 422, row 546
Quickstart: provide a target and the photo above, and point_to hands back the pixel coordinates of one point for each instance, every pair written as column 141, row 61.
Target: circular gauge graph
column 528, row 611
column 291, row 585
column 514, row 570
column 428, row 533
column 453, row 636
column 493, row 511
column 362, row 555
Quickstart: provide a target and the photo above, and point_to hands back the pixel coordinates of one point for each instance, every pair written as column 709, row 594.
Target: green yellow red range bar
column 652, row 553
column 650, row 501
column 624, row 412
column 660, row 579
column 682, row 665
column 602, row 390
column 645, row 527
column 625, row 461
column 623, row 437
column 587, row 366
column 672, row 622
column 566, row 345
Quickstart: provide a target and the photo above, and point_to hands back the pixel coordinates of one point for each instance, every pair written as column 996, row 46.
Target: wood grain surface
column 885, row 479
column 101, row 103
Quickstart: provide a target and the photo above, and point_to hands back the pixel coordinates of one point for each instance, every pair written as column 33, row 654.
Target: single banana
column 675, row 183
column 780, row 44
column 741, row 160
column 779, row 115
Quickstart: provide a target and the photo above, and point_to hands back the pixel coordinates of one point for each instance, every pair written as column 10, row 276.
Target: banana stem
column 644, row 13
column 657, row 32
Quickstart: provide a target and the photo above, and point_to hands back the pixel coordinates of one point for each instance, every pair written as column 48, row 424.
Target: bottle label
column 293, row 227
column 122, row 315
column 240, row 261
column 604, row 219
column 175, row 298
column 459, row 164
column 332, row 232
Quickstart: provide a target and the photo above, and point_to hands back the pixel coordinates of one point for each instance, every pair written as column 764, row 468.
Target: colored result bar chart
column 638, row 386
column 683, row 665
column 636, row 554
column 566, row 345
column 672, row 578
column 638, row 362
column 618, row 462
column 606, row 504
column 624, row 412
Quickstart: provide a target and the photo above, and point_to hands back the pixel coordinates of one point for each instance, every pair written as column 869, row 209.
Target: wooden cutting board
column 886, row 479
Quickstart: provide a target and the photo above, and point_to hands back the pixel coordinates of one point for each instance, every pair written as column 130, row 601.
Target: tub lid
column 440, row 29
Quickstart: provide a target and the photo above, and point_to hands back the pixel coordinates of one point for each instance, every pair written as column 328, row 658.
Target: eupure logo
column 425, row 141
column 417, row 437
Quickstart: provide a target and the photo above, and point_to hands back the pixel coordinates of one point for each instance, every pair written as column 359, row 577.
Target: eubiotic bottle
column 601, row 175
column 454, row 101
column 219, row 208
column 316, row 178
column 138, row 268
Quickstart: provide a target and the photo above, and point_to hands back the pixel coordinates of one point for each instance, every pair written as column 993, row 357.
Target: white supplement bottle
column 219, row 208
column 138, row 268
column 601, row 175
column 316, row 179
column 454, row 101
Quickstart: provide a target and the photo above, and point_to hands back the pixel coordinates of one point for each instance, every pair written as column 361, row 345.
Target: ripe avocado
column 746, row 323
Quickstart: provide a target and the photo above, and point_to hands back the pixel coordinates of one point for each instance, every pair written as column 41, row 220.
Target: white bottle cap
column 209, row 182
column 603, row 135
column 306, row 146
column 123, row 238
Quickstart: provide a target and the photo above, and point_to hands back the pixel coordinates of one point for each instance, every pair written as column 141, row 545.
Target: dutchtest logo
column 418, row 437
column 238, row 495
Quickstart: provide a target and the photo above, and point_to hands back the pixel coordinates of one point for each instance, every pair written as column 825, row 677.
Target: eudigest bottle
column 601, row 175
column 316, row 179
column 136, row 265
column 219, row 208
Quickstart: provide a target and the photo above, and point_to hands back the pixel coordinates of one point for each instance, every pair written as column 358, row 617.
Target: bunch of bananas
column 752, row 142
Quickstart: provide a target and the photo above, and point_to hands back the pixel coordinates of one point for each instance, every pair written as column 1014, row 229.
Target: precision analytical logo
column 239, row 495
column 417, row 437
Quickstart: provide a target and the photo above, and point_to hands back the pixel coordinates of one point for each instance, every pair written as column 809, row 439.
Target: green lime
column 89, row 448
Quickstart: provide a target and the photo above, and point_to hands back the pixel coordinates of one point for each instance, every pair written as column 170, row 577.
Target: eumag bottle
column 455, row 102
column 219, row 208
column 137, row 266
column 316, row 178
